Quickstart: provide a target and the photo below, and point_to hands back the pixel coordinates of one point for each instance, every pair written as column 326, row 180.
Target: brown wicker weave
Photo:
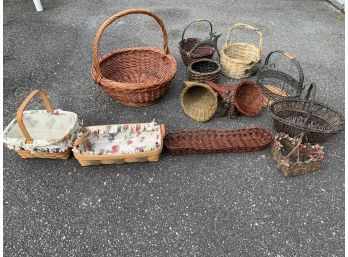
column 217, row 141
column 294, row 158
column 246, row 96
column 239, row 60
column 203, row 70
column 136, row 76
column 186, row 45
column 198, row 101
column 294, row 116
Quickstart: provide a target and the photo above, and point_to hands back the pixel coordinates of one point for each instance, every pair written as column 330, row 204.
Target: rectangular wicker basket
column 119, row 143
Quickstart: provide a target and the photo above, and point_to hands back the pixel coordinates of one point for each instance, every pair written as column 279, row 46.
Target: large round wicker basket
column 136, row 76
column 239, row 60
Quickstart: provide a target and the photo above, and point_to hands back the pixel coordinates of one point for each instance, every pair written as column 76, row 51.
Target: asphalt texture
column 234, row 204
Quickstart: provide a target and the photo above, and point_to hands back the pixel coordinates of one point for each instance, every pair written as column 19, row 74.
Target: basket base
column 138, row 104
column 44, row 155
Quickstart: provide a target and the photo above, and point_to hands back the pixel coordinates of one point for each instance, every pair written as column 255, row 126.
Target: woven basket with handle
column 198, row 101
column 187, row 44
column 239, row 60
column 136, row 76
column 41, row 133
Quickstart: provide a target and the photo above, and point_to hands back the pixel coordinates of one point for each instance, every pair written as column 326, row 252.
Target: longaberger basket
column 42, row 133
column 136, row 76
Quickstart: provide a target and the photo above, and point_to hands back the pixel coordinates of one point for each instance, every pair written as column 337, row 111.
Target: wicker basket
column 277, row 85
column 217, row 141
column 42, row 133
column 294, row 158
column 239, row 60
column 294, row 116
column 245, row 97
column 203, row 70
column 136, row 76
column 119, row 143
column 186, row 45
column 198, row 101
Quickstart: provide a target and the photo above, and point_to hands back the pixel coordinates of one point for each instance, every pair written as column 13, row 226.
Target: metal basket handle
column 310, row 96
column 248, row 27
column 24, row 105
column 198, row 20
column 291, row 58
column 116, row 16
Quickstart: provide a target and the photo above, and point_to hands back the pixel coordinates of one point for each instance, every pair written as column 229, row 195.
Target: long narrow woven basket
column 136, row 76
column 217, row 141
column 119, row 143
column 42, row 133
column 239, row 60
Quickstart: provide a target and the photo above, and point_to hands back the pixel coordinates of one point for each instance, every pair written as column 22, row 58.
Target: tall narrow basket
column 239, row 60
column 187, row 44
column 136, row 76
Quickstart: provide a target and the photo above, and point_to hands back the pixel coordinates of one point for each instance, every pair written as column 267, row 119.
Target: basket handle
column 292, row 58
column 81, row 139
column 198, row 20
column 24, row 105
column 311, row 91
column 248, row 27
column 95, row 49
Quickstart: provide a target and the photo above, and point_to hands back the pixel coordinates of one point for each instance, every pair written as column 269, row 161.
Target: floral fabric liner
column 51, row 132
column 120, row 139
column 313, row 152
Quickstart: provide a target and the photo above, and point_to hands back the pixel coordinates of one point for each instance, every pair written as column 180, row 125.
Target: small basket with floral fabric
column 294, row 157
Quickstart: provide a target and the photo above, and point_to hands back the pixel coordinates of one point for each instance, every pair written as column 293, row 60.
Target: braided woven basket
column 187, row 44
column 198, row 101
column 239, row 60
column 217, row 141
column 136, row 76
column 203, row 70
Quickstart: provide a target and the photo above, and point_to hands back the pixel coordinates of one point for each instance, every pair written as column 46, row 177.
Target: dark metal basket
column 187, row 44
column 316, row 120
column 286, row 86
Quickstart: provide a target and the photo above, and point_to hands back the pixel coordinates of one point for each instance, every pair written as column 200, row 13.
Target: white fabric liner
column 48, row 131
column 121, row 139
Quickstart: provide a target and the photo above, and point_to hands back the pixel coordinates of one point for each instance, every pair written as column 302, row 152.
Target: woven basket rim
column 327, row 131
column 204, row 60
column 122, row 86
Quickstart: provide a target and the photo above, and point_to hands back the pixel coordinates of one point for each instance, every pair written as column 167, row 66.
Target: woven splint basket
column 136, row 76
column 119, row 143
column 42, row 133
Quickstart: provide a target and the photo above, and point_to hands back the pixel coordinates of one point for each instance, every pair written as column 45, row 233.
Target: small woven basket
column 277, row 85
column 245, row 97
column 198, row 101
column 203, row 70
column 47, row 134
column 136, row 76
column 294, row 158
column 318, row 121
column 186, row 45
column 239, row 60
column 217, row 141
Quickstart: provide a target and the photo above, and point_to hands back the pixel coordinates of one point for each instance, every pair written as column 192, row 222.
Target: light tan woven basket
column 198, row 100
column 239, row 60
column 87, row 159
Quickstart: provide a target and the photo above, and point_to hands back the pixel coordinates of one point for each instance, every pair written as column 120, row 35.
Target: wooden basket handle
column 95, row 49
column 248, row 27
column 292, row 59
column 198, row 20
column 24, row 105
column 82, row 138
